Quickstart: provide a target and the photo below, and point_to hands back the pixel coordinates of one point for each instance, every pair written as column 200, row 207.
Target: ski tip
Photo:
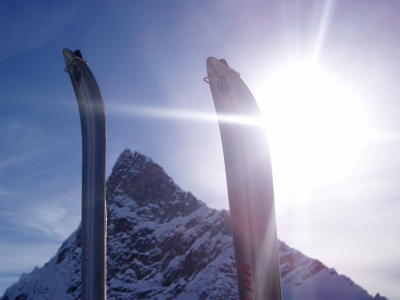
column 215, row 65
column 70, row 56
column 67, row 53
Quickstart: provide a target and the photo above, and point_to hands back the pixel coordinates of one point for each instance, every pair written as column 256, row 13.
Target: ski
column 93, row 229
column 249, row 181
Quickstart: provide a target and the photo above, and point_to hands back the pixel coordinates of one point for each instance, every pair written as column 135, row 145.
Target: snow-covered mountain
column 163, row 243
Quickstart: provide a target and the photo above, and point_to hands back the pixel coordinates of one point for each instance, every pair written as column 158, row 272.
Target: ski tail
column 249, row 181
column 93, row 129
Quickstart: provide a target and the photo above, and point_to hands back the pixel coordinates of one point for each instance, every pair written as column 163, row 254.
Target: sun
column 316, row 125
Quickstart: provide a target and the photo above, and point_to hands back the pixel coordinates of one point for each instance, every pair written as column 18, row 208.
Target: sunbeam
column 181, row 115
column 326, row 17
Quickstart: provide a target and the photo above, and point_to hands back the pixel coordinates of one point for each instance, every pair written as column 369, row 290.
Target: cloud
column 54, row 220
column 21, row 140
column 55, row 216
column 15, row 159
column 33, row 229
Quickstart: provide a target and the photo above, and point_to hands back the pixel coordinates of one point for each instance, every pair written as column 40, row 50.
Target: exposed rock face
column 163, row 243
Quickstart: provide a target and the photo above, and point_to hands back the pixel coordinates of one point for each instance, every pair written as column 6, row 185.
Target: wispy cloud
column 54, row 220
column 33, row 229
column 15, row 159
column 20, row 141
column 54, row 216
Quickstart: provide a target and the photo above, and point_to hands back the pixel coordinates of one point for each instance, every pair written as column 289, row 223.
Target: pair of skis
column 248, row 174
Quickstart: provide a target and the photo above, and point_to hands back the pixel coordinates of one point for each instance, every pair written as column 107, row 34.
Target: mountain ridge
column 163, row 243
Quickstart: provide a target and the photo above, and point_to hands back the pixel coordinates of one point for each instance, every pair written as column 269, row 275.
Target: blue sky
column 150, row 55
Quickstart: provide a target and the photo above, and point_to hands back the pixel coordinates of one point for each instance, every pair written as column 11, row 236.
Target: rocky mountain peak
column 149, row 191
column 133, row 160
column 128, row 165
column 164, row 244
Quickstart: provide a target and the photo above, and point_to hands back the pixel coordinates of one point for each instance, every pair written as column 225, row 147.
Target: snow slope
column 163, row 243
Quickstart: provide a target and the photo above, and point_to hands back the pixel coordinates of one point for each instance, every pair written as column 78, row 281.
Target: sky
column 335, row 160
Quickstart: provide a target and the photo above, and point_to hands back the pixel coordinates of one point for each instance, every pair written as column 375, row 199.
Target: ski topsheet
column 91, row 110
column 249, row 182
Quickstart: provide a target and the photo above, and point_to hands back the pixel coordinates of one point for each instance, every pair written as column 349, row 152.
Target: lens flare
column 181, row 115
column 316, row 126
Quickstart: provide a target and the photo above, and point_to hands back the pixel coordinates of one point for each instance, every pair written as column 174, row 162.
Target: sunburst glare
column 316, row 125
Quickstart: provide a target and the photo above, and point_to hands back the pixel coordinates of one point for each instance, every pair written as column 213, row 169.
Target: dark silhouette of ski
column 91, row 110
column 249, row 181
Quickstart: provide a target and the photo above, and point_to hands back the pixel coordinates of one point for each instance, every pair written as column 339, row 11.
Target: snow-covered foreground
column 163, row 243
